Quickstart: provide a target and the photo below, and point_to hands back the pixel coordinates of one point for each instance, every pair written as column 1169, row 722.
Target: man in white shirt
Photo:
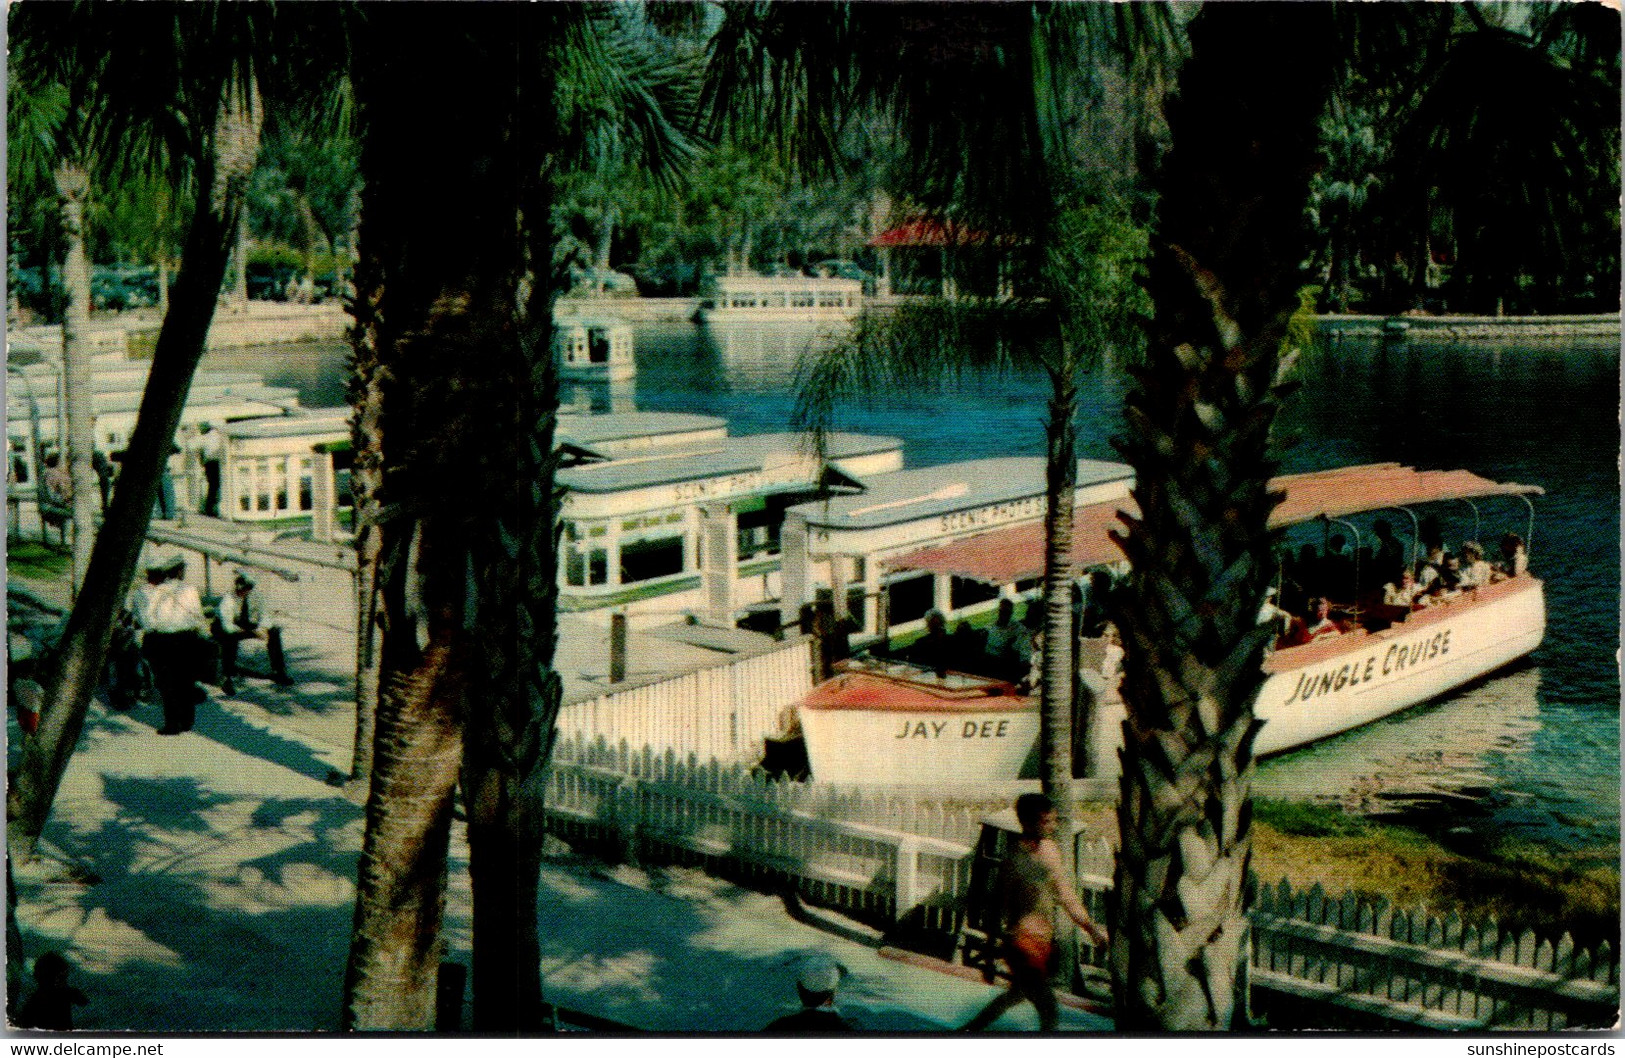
column 241, row 617
column 170, row 614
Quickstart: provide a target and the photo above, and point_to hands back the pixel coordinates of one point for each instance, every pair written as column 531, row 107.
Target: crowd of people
column 1378, row 581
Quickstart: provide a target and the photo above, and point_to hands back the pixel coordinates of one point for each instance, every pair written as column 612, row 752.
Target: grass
column 1522, row 886
column 30, row 558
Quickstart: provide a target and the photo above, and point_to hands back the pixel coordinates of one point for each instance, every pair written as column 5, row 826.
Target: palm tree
column 453, row 339
column 979, row 96
column 184, row 78
column 1223, row 277
column 58, row 150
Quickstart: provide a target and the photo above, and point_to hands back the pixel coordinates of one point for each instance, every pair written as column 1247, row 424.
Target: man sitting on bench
column 239, row 618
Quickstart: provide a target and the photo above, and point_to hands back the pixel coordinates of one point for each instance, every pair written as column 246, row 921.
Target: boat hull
column 1370, row 676
column 1311, row 693
column 873, row 746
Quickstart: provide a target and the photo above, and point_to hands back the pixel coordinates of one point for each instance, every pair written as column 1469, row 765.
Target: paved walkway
column 206, row 882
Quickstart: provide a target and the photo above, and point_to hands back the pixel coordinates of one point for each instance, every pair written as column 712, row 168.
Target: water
column 1531, row 753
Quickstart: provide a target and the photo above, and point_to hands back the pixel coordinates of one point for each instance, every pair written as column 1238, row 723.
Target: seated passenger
column 1318, row 622
column 1406, row 593
column 1315, row 625
column 1514, row 557
column 1430, row 569
column 1270, row 613
column 1475, row 571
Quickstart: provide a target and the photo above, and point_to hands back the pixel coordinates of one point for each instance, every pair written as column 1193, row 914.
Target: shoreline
column 1449, row 329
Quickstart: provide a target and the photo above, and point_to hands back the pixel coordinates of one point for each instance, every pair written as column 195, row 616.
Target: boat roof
column 923, row 492
column 312, row 421
column 1016, row 553
column 587, row 430
column 710, row 459
column 1374, row 486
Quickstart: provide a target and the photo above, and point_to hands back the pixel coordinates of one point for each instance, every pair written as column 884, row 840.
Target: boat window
column 643, row 560
column 759, row 532
column 908, row 600
column 963, row 592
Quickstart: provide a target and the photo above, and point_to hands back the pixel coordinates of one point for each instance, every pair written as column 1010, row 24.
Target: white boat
column 780, row 299
column 594, row 350
column 890, row 728
column 895, row 723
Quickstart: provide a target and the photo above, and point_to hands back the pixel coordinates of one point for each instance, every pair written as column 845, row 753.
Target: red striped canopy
column 1006, row 556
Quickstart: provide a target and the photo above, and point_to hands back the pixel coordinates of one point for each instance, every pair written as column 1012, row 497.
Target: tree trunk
column 1223, row 279
column 396, row 945
column 366, row 396
column 1058, row 666
column 239, row 285
column 82, row 654
column 77, row 426
column 467, row 413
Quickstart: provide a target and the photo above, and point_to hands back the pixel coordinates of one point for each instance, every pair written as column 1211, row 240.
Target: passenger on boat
column 1337, row 567
column 1093, row 622
column 1476, row 572
column 970, row 655
column 1270, row 613
column 1009, row 645
column 1431, row 569
column 935, row 650
column 1514, row 557
column 1318, row 622
column 1405, row 593
column 1303, row 575
column 1390, row 556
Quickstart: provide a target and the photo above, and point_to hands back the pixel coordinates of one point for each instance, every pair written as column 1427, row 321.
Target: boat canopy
column 1007, row 556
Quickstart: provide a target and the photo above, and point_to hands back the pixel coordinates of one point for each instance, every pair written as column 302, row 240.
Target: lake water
column 1531, row 753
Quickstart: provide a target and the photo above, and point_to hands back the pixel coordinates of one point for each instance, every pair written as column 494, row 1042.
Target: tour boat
column 780, row 299
column 594, row 350
column 894, row 725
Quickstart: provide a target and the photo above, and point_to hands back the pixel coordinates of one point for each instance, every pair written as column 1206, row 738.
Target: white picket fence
column 721, row 711
column 1420, row 969
column 890, row 857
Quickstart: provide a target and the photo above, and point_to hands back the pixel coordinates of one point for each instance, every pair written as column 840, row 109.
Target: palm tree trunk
column 1057, row 665
column 366, row 396
column 1223, row 279
column 79, row 433
column 515, row 566
column 83, row 651
column 396, row 946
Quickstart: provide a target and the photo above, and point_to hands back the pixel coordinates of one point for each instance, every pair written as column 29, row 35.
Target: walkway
column 206, row 882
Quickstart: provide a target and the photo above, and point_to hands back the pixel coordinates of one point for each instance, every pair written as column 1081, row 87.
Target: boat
column 891, row 726
column 877, row 721
column 780, row 299
column 594, row 350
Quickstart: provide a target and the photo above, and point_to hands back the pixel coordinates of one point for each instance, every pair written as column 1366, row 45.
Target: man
column 211, row 448
column 240, row 618
column 170, row 615
column 1009, row 649
column 1034, row 882
column 820, row 977
column 934, row 650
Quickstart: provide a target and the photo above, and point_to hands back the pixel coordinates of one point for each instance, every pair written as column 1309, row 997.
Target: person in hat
column 1035, row 882
column 210, row 450
column 169, row 613
column 817, row 983
column 240, row 618
column 51, row 1005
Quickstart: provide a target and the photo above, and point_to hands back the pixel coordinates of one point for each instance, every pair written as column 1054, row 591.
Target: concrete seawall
column 1445, row 330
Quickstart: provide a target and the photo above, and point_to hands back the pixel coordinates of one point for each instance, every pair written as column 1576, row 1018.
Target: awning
column 1351, row 490
column 1006, row 556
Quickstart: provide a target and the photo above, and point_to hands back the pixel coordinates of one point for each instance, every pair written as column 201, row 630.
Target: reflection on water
column 1456, row 748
